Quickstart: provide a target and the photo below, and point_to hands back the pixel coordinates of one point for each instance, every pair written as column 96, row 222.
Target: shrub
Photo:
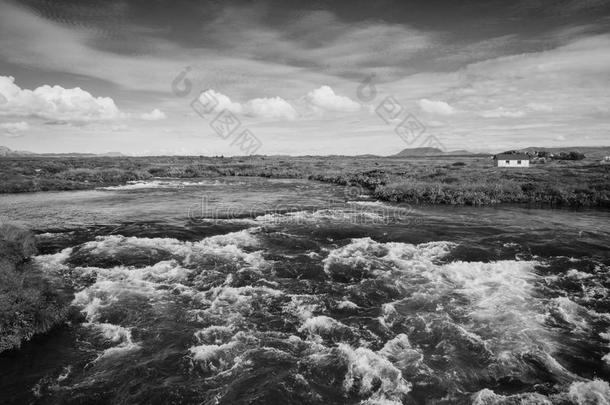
column 569, row 156
column 28, row 303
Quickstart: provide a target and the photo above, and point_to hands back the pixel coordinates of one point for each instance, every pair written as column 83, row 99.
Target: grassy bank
column 29, row 304
column 463, row 180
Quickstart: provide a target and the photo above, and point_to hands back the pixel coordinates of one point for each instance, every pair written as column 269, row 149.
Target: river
column 250, row 290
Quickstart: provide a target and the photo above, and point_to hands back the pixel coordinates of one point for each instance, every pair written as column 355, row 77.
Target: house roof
column 512, row 156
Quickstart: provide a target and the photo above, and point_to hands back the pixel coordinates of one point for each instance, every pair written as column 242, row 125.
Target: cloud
column 501, row 112
column 154, row 115
column 324, row 98
column 28, row 39
column 13, row 128
column 54, row 103
column 267, row 108
column 320, row 100
column 317, row 40
column 272, row 108
column 218, row 102
column 540, row 107
column 436, row 107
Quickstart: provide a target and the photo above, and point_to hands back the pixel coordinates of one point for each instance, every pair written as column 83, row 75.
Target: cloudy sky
column 310, row 77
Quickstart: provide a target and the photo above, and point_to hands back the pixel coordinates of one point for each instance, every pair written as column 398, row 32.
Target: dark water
column 246, row 291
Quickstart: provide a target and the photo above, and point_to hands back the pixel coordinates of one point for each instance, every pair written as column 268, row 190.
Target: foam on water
column 308, row 217
column 365, row 367
column 490, row 312
column 181, row 268
column 400, row 352
column 112, row 245
column 117, row 335
column 385, row 319
column 493, row 310
column 364, row 257
column 101, row 291
column 346, row 304
column 369, row 203
column 141, row 184
column 229, row 301
column 590, row 392
column 135, row 250
column 488, row 397
column 53, row 263
column 595, row 392
column 579, row 275
column 214, row 357
column 303, row 307
column 320, row 325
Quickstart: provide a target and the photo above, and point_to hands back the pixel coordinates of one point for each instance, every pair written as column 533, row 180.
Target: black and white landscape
column 325, row 202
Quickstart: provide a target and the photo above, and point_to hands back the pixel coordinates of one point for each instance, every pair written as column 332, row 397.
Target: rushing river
column 256, row 291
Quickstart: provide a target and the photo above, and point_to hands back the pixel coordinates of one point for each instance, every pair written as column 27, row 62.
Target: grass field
column 460, row 180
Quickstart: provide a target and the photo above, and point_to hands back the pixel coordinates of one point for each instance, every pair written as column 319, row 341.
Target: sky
column 302, row 77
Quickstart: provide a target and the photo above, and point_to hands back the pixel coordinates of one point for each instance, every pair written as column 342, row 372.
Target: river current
column 261, row 291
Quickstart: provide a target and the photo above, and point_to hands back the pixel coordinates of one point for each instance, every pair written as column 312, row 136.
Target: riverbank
column 29, row 302
column 453, row 180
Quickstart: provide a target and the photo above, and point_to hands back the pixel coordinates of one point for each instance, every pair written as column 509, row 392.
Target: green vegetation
column 472, row 180
column 544, row 154
column 29, row 303
column 569, row 156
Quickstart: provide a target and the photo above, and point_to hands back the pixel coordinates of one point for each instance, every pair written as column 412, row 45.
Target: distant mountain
column 419, row 152
column 7, row 152
column 415, row 152
column 112, row 154
column 4, row 151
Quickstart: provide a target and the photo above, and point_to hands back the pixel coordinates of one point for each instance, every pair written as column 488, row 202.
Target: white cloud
column 320, row 100
column 340, row 47
column 154, row 115
column 27, row 39
column 273, row 108
column 540, row 107
column 218, row 102
column 268, row 108
column 435, row 107
column 501, row 112
column 324, row 98
column 54, row 103
column 13, row 128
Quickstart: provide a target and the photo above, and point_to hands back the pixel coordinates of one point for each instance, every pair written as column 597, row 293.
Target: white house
column 513, row 160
